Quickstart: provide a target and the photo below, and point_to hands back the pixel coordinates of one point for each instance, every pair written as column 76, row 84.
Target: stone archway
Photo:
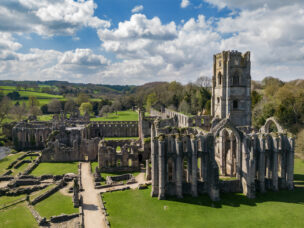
column 271, row 122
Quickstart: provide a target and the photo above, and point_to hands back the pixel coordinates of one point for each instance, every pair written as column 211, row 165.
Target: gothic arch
column 236, row 78
column 268, row 123
column 219, row 78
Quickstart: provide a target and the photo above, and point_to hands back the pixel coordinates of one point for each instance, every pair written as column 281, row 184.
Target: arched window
column 236, row 79
column 219, row 78
column 235, row 104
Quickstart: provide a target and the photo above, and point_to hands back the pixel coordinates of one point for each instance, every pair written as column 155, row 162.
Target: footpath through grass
column 56, row 204
column 136, row 208
column 55, row 168
column 121, row 116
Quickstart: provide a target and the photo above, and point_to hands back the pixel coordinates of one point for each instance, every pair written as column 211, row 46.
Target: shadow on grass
column 237, row 199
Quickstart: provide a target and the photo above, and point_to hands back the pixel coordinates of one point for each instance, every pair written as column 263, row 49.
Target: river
column 4, row 151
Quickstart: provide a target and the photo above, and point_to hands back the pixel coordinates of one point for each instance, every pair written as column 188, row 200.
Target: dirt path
column 93, row 216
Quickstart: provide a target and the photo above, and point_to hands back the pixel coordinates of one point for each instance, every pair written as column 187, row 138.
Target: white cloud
column 137, row 9
column 48, row 17
column 185, row 3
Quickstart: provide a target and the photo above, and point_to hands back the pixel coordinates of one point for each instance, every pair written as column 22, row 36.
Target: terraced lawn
column 5, row 162
column 136, row 208
column 55, row 168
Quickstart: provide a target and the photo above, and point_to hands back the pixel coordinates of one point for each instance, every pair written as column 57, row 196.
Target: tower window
column 219, row 78
column 236, row 79
column 235, row 104
column 220, row 63
column 218, row 100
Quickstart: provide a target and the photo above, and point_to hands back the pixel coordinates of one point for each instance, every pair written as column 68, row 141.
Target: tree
column 13, row 95
column 19, row 111
column 54, row 106
column 35, row 111
column 184, row 107
column 5, row 106
column 33, row 101
column 204, row 82
column 104, row 110
column 116, row 106
column 69, row 105
column 44, row 109
column 86, row 108
column 151, row 100
column 82, row 98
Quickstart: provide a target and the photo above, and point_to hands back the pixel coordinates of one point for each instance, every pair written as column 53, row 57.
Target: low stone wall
column 103, row 210
column 40, row 220
column 63, row 218
column 6, row 178
column 33, row 166
column 230, row 186
column 23, row 182
column 19, row 191
column 20, row 163
column 48, row 193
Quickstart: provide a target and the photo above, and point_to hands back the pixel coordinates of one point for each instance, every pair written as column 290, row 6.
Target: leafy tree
column 13, row 95
column 19, row 111
column 33, row 101
column 104, row 110
column 82, row 98
column 5, row 106
column 151, row 100
column 44, row 109
column 116, row 106
column 86, row 107
column 69, row 105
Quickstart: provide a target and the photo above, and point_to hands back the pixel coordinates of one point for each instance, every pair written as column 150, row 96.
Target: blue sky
column 138, row 41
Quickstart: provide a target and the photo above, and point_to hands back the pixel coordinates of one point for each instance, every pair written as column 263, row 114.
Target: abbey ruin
column 187, row 154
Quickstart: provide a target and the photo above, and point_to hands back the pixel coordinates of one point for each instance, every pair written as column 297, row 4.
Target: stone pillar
column 179, row 169
column 290, row 163
column 203, row 159
column 154, row 163
column 275, row 164
column 282, row 160
column 162, row 170
column 148, row 170
column 262, row 165
column 194, row 167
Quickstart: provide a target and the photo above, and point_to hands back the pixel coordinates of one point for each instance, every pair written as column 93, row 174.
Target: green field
column 56, row 168
column 5, row 162
column 56, row 204
column 136, row 208
column 17, row 216
column 121, row 116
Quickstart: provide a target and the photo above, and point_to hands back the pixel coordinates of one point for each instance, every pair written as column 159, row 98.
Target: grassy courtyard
column 17, row 216
column 56, row 204
column 55, row 168
column 136, row 208
column 121, row 116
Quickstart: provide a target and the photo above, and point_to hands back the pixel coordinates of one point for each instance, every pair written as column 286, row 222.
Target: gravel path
column 93, row 217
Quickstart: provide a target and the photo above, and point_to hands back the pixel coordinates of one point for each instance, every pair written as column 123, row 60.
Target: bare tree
column 204, row 82
column 54, row 106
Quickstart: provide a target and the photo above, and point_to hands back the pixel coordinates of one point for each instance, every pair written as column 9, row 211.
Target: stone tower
column 231, row 87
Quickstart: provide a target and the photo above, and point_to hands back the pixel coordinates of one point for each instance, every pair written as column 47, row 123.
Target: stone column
column 154, row 163
column 262, row 165
column 282, row 165
column 275, row 164
column 162, row 170
column 148, row 170
column 194, row 167
column 179, row 169
column 290, row 163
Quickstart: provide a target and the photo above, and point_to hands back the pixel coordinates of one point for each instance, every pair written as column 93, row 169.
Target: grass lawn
column 121, row 116
column 136, row 208
column 6, row 200
column 45, row 117
column 56, row 204
column 20, row 169
column 18, row 216
column 55, row 168
column 4, row 163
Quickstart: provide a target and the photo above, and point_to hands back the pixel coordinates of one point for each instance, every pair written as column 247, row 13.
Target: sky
column 139, row 41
